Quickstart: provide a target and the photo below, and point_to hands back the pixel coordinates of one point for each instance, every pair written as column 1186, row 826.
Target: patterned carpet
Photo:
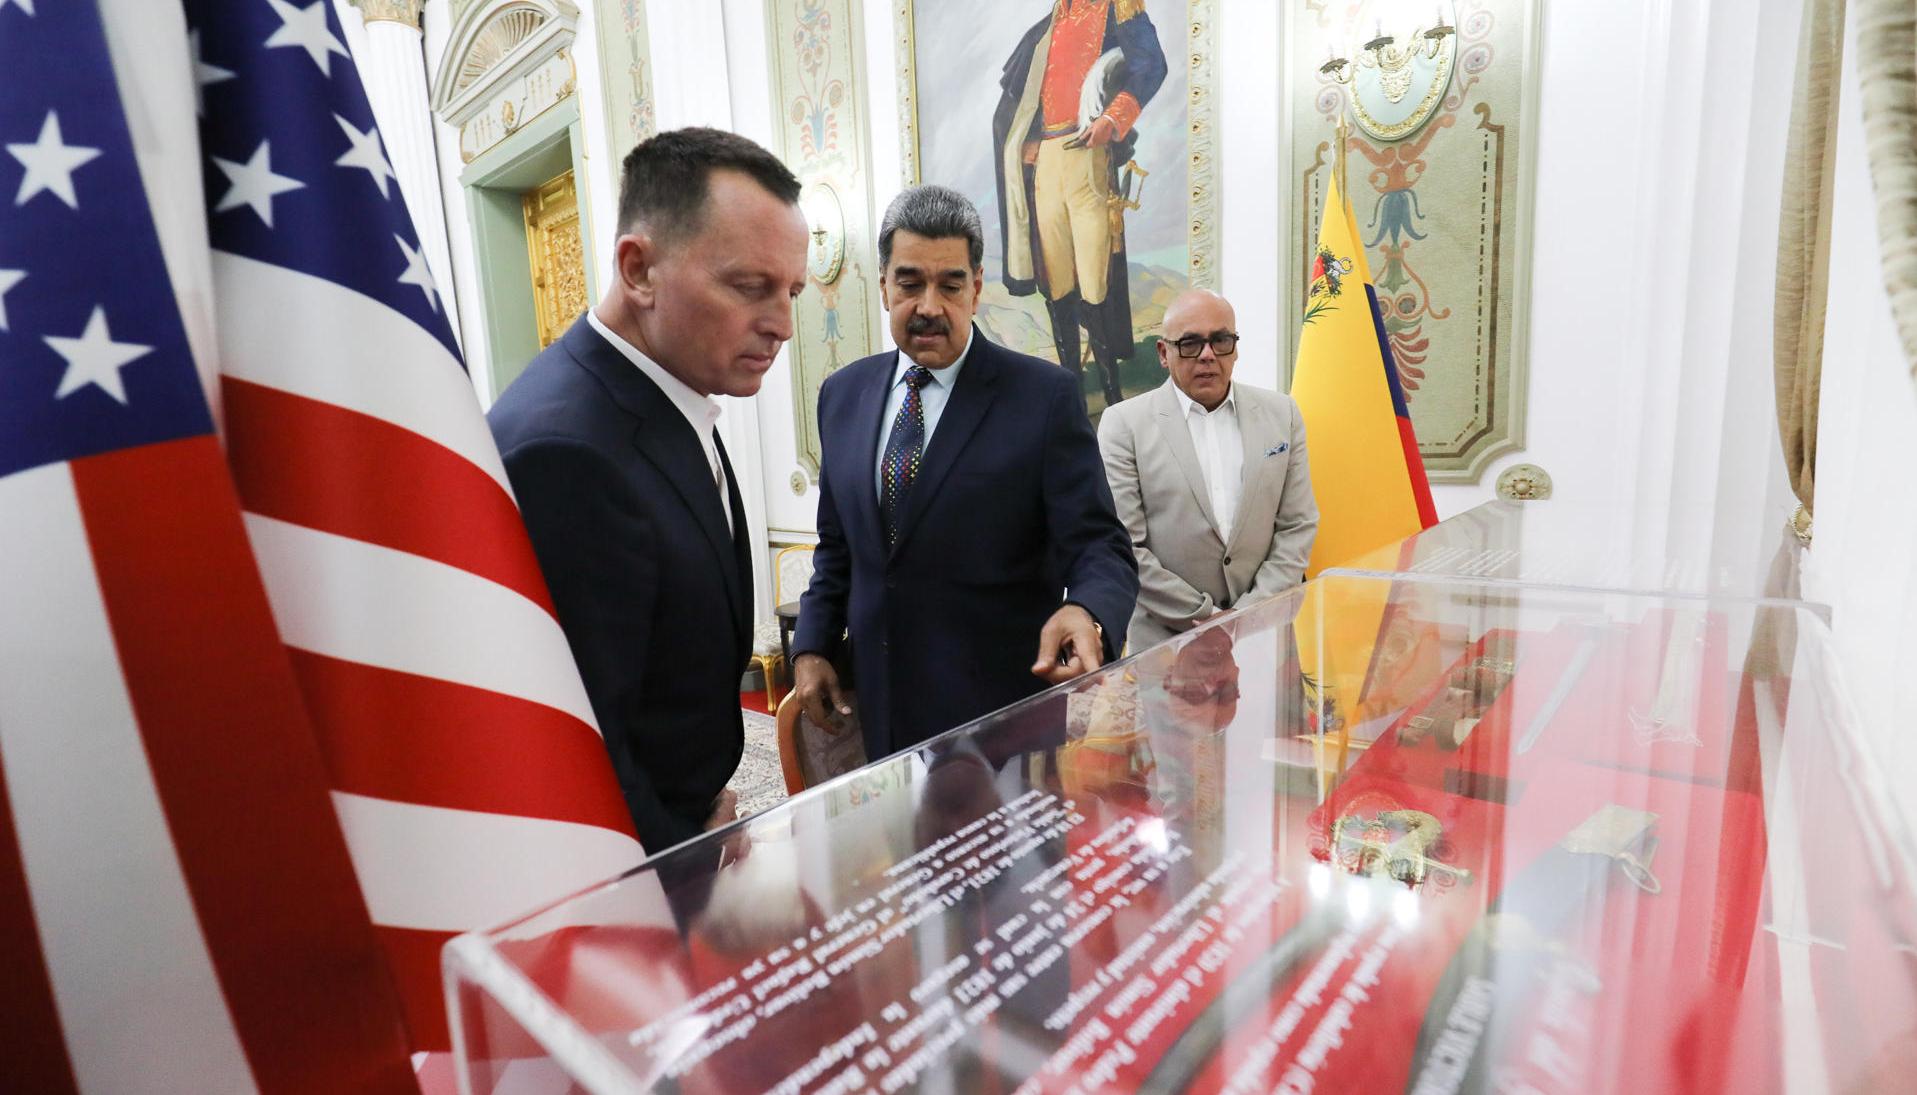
column 759, row 782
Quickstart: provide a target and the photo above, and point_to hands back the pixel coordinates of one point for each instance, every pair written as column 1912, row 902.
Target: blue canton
column 93, row 355
column 295, row 172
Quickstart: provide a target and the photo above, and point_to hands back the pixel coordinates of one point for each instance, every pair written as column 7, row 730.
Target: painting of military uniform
column 1067, row 124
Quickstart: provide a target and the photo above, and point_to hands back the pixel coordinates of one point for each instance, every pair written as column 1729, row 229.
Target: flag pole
column 1338, row 161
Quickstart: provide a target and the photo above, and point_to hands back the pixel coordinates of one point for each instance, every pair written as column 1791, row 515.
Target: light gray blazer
column 1186, row 570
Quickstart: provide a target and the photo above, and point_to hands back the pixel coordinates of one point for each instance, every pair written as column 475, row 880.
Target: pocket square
column 1276, row 449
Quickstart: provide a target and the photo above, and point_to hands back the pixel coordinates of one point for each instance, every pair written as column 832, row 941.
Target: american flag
column 173, row 889
column 467, row 767
column 177, row 908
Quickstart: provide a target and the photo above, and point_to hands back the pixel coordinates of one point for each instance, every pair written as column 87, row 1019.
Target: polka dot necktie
column 903, row 450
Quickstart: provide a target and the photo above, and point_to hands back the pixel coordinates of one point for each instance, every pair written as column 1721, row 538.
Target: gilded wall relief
column 1440, row 163
column 817, row 86
column 1004, row 101
column 625, row 69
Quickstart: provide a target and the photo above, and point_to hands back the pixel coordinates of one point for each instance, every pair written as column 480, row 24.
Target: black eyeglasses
column 1222, row 343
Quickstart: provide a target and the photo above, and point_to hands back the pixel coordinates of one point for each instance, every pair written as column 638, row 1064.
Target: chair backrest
column 809, row 755
column 791, row 572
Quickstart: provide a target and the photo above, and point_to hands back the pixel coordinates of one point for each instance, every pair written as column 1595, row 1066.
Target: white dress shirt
column 701, row 411
column 932, row 399
column 1221, row 454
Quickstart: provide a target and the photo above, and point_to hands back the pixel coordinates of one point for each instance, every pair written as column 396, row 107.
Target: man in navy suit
column 964, row 516
column 631, row 502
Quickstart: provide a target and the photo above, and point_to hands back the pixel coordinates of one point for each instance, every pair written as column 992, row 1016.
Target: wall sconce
column 1394, row 83
column 1383, row 53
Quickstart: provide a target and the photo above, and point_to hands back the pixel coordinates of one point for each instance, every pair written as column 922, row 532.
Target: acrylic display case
column 1425, row 832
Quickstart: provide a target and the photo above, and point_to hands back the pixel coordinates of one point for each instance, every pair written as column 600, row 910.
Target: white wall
column 1659, row 156
column 1863, row 559
column 1642, row 398
column 436, row 25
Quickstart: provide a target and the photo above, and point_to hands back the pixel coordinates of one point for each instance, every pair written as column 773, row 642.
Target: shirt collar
column 945, row 377
column 1191, row 405
column 700, row 410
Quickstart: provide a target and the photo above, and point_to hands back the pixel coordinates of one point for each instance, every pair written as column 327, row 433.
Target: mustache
column 926, row 325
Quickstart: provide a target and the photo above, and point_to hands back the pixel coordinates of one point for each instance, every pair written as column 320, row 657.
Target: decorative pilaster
column 404, row 12
column 394, row 72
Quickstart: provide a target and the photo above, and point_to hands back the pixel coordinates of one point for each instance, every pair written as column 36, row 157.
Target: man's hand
column 1101, row 132
column 1068, row 646
column 816, row 684
column 725, row 810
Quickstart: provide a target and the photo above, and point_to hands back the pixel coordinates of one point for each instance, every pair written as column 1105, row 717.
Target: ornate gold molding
column 1202, row 266
column 390, row 11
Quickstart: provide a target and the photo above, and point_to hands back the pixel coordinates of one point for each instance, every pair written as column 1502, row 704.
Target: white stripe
column 154, row 69
column 364, row 603
column 436, row 869
column 138, row 1000
column 305, row 335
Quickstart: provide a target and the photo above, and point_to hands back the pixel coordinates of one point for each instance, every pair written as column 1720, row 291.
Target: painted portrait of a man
column 1063, row 137
column 1069, row 126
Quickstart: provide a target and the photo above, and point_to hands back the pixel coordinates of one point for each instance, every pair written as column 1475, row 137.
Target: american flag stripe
column 31, row 1036
column 430, row 867
column 360, row 602
column 238, row 963
column 341, row 347
column 275, row 899
column 453, row 733
column 425, row 512
column 92, row 832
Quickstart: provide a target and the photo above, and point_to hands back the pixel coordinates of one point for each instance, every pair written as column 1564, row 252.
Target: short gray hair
column 937, row 213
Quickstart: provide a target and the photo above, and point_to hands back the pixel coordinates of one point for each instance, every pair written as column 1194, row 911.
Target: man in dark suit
column 963, row 508
column 631, row 502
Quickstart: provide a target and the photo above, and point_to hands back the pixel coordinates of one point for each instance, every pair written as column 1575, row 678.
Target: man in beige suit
column 1210, row 479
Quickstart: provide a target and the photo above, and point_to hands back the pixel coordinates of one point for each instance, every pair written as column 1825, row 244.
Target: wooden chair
column 791, row 571
column 809, row 755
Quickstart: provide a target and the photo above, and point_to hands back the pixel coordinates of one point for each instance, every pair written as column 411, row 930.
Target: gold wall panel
column 557, row 256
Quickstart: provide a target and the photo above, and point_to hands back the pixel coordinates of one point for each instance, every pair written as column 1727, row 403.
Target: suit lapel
column 741, row 545
column 680, row 459
column 665, row 439
column 868, row 433
column 964, row 409
column 1177, row 435
column 1258, row 432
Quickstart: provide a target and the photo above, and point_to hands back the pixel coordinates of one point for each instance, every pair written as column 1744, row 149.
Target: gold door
column 558, row 259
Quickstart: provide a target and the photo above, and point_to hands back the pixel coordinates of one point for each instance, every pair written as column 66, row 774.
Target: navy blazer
column 653, row 591
column 1009, row 518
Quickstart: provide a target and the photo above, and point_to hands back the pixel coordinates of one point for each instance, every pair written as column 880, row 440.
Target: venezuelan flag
column 1366, row 473
column 1365, row 469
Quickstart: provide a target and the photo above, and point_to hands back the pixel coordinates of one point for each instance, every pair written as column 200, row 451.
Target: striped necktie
column 902, row 452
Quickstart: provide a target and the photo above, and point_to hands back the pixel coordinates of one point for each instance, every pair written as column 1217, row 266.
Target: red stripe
column 31, row 1044
column 413, row 954
column 1414, row 467
column 398, row 736
column 238, row 773
column 325, row 467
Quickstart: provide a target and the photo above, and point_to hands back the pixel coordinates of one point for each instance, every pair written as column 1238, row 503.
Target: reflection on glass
column 1381, row 834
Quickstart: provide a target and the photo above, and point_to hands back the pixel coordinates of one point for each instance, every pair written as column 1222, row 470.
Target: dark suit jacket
column 1010, row 511
column 654, row 594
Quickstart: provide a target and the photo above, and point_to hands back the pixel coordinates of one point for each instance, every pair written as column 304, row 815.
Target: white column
column 393, row 68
